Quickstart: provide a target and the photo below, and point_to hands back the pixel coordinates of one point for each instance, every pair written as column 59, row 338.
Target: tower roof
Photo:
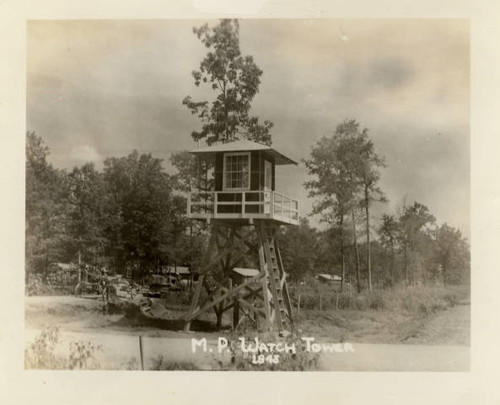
column 245, row 146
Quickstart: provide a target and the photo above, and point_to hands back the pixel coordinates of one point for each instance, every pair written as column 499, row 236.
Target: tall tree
column 369, row 167
column 87, row 216
column 235, row 79
column 46, row 210
column 415, row 227
column 452, row 254
column 335, row 182
column 356, row 249
column 298, row 245
column 187, row 171
column 388, row 233
column 149, row 220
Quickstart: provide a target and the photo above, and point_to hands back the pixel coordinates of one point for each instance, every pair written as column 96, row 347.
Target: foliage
column 414, row 238
column 451, row 253
column 130, row 364
column 42, row 354
column 87, row 212
column 368, row 165
column 126, row 216
column 36, row 286
column 343, row 165
column 130, row 215
column 235, row 79
column 301, row 360
column 187, row 173
column 46, row 211
column 334, row 183
column 159, row 363
column 298, row 247
column 146, row 215
column 388, row 237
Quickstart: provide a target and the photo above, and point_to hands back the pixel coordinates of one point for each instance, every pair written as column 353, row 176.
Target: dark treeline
column 127, row 217
column 130, row 218
column 438, row 254
column 406, row 247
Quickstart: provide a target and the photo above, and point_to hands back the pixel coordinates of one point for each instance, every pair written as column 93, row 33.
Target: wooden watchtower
column 237, row 196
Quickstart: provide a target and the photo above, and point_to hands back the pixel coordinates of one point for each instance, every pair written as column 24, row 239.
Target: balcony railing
column 243, row 204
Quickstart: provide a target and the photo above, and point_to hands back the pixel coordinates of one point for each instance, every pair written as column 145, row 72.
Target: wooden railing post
column 215, row 204
column 271, row 201
column 243, row 204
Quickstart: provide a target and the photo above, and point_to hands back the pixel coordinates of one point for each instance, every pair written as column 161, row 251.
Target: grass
column 160, row 363
column 415, row 299
column 383, row 316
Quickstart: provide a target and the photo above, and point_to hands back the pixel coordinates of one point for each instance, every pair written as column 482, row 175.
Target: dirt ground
column 449, row 327
column 378, row 334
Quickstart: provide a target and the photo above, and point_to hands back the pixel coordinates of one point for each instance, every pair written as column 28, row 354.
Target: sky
column 103, row 88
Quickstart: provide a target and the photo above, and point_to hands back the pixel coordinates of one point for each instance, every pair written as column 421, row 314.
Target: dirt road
column 451, row 325
column 122, row 351
column 440, row 343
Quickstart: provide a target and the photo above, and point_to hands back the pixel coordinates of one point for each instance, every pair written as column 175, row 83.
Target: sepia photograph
column 242, row 194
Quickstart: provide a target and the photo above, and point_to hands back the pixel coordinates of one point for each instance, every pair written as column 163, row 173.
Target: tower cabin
column 236, row 181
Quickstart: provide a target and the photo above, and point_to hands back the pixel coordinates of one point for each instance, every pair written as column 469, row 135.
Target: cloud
column 389, row 72
column 104, row 88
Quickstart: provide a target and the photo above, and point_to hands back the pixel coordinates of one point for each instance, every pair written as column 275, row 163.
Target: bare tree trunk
column 405, row 255
column 356, row 251
column 368, row 250
column 79, row 266
column 393, row 276
column 445, row 270
column 342, row 251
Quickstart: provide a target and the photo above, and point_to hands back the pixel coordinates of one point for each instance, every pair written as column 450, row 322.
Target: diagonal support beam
column 222, row 297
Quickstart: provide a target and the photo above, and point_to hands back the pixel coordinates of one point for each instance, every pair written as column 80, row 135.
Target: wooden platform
column 243, row 205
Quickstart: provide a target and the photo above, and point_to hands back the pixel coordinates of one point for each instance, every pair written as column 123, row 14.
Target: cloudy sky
column 104, row 88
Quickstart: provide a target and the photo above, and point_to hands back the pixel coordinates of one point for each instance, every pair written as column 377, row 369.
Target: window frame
column 268, row 164
column 224, row 171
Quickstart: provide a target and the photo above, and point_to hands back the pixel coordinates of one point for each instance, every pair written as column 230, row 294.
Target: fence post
column 320, row 301
column 298, row 306
column 142, row 352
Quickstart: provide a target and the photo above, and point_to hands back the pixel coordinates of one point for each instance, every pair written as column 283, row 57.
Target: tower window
column 237, row 171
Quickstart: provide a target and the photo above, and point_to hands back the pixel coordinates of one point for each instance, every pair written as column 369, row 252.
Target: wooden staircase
column 281, row 308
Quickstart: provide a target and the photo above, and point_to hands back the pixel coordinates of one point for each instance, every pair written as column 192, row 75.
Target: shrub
column 159, row 363
column 130, row 364
column 301, row 360
column 451, row 298
column 360, row 303
column 376, row 301
column 36, row 286
column 42, row 353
